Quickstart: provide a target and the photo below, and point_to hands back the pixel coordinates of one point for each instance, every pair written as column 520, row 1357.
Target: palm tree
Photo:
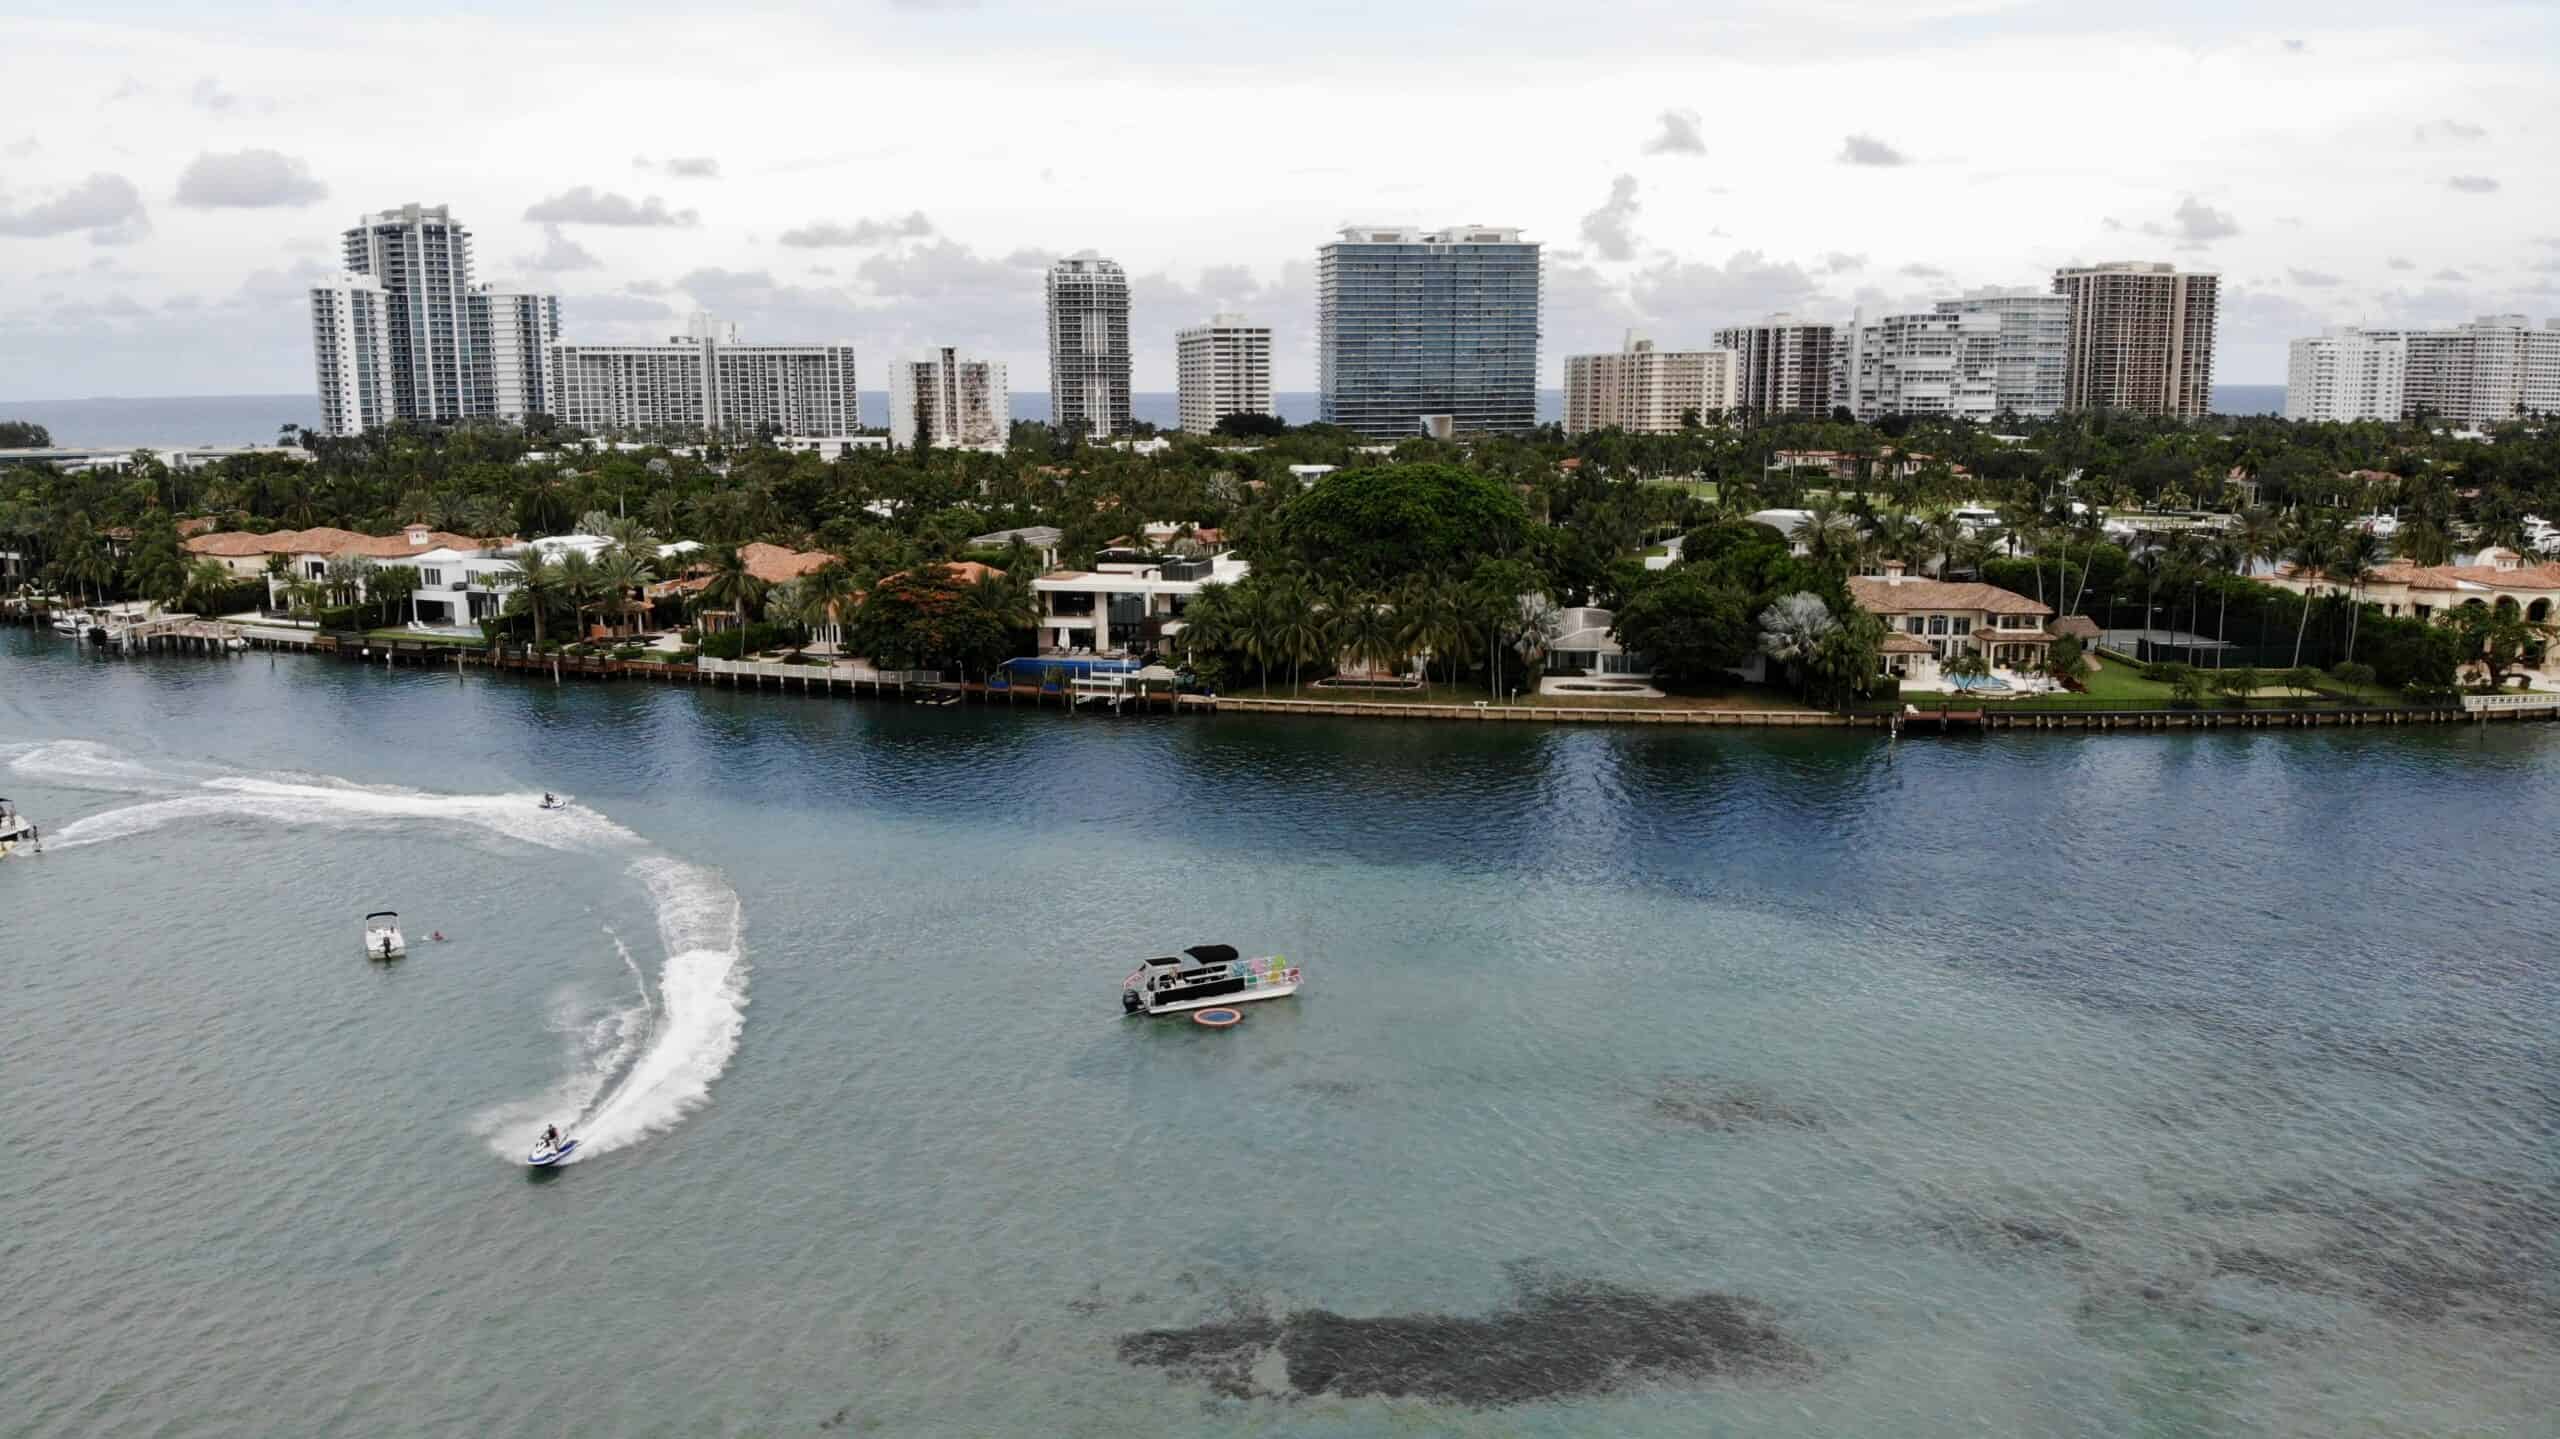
column 1303, row 627
column 1264, row 616
column 732, row 585
column 1792, row 630
column 2358, row 554
column 825, row 596
column 206, row 584
column 622, row 572
column 2308, row 547
column 580, row 584
column 1368, row 631
column 533, row 586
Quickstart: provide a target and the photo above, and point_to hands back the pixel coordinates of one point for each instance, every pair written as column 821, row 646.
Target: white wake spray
column 632, row 1072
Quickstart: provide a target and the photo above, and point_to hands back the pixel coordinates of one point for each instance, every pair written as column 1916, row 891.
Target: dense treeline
column 1430, row 546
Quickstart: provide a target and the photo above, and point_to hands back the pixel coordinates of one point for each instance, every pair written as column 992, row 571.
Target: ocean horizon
column 168, row 420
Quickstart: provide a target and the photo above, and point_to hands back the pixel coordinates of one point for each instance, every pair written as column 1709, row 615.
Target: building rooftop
column 1893, row 596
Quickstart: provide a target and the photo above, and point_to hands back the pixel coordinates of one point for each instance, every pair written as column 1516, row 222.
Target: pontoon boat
column 382, row 935
column 1202, row 976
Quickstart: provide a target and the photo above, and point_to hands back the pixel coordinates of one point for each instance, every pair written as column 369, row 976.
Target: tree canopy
column 1384, row 521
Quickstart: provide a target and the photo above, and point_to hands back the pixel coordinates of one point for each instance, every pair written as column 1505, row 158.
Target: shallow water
column 1645, row 1083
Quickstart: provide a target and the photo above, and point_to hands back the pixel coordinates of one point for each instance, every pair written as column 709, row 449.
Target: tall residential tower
column 439, row 350
column 2141, row 338
column 1417, row 330
column 1647, row 391
column 1088, row 346
column 1787, row 364
column 1221, row 368
column 949, row 402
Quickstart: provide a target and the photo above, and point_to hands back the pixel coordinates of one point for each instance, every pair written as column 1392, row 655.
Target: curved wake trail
column 633, row 1072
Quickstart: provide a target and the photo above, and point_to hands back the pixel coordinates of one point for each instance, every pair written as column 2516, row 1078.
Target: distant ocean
column 167, row 420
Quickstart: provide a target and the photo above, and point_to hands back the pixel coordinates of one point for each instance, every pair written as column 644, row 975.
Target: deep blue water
column 1645, row 1082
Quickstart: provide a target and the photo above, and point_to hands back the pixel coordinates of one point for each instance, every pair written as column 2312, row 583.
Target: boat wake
column 635, row 1070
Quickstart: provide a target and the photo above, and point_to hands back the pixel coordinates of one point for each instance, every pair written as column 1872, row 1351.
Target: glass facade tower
column 1421, row 329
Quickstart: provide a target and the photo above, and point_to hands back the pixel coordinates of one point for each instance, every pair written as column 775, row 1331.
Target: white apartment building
column 422, row 256
column 518, row 329
column 2142, row 338
column 351, row 349
column 2494, row 369
column 1088, row 346
column 1944, row 363
column 705, row 381
column 2344, row 373
column 1221, row 368
column 950, row 402
column 2035, row 346
column 1786, row 364
column 1648, row 391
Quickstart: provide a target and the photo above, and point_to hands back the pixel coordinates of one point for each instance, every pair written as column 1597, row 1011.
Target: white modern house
column 1127, row 603
column 458, row 587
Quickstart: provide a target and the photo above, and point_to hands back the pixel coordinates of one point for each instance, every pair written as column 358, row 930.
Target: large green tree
column 1380, row 523
column 1694, row 623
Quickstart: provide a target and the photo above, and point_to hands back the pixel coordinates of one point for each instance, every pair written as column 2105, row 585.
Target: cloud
column 2452, row 130
column 610, row 318
column 2472, row 184
column 1679, row 135
column 1868, row 150
column 1611, row 228
column 20, row 149
column 107, row 206
column 586, row 205
column 248, row 180
column 1689, row 298
column 2450, row 276
column 1839, row 262
column 208, row 95
column 681, row 167
column 2296, row 46
column 558, row 254
column 2194, row 225
column 829, row 235
column 2401, row 262
column 1918, row 271
column 2314, row 278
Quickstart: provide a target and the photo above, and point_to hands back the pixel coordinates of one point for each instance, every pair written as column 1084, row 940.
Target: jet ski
column 554, row 802
column 546, row 1155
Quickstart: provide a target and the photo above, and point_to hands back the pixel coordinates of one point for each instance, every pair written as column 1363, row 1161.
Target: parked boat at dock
column 1203, row 976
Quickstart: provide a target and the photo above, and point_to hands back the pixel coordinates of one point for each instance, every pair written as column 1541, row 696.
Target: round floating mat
column 1216, row 1018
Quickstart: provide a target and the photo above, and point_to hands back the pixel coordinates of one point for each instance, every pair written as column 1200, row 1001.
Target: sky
column 897, row 173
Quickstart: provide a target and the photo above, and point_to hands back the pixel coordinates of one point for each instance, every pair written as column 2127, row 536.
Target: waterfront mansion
column 1928, row 622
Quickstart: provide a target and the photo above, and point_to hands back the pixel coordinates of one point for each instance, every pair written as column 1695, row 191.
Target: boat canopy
column 382, row 914
column 1212, row 953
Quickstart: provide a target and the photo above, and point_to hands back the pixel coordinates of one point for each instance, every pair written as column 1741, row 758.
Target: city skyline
column 2337, row 165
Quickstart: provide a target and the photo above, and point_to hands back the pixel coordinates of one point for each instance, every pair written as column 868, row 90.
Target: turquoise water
column 1645, row 1083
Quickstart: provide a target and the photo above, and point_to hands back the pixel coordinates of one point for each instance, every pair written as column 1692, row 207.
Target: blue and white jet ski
column 546, row 1155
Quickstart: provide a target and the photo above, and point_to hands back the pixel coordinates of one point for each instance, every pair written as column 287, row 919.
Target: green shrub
column 2351, row 674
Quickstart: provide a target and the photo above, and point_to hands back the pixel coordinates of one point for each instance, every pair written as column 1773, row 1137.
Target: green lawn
column 412, row 637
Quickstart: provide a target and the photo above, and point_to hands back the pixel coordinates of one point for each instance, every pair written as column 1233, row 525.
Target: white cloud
column 2315, row 279
column 586, row 205
column 2194, row 225
column 1917, row 271
column 2452, row 130
column 681, row 167
column 2401, row 262
column 2473, row 184
column 1679, row 135
column 827, row 234
column 105, row 207
column 1611, row 228
column 248, row 180
column 1868, row 150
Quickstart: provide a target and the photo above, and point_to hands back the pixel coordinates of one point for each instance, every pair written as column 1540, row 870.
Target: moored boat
column 1203, row 976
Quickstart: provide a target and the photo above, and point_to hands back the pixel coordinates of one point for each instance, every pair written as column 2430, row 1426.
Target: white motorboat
column 71, row 622
column 17, row 832
column 1204, row 976
column 382, row 939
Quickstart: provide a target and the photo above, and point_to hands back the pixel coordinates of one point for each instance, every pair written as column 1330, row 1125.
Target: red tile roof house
column 2499, row 579
column 1928, row 622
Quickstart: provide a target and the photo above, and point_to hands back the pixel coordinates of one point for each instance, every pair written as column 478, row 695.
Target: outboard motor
column 1131, row 1001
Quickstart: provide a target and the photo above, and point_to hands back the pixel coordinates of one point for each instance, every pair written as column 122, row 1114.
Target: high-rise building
column 2035, row 346
column 1088, row 346
column 1787, row 364
column 1648, row 391
column 2493, row 369
column 515, row 329
column 705, row 381
column 950, row 402
column 1424, row 330
column 351, row 347
column 1939, row 363
column 1221, row 368
column 447, row 352
column 422, row 256
column 2141, row 338
column 2345, row 373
